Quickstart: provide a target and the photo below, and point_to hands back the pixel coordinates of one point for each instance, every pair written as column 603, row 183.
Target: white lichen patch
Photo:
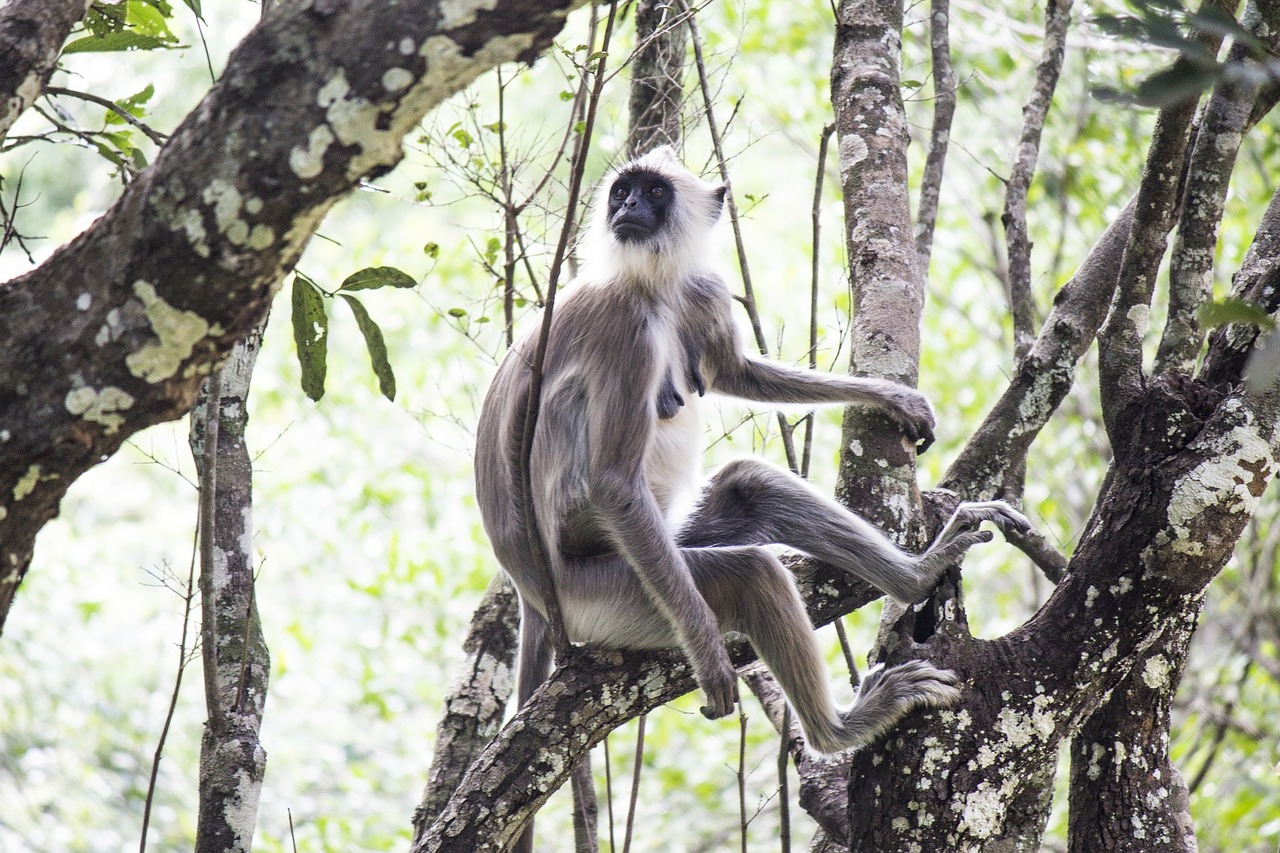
column 190, row 222
column 27, row 483
column 396, row 79
column 458, row 13
column 1019, row 729
column 853, row 150
column 1096, row 753
column 1156, row 672
column 984, row 810
column 177, row 333
column 1122, row 586
column 101, row 407
column 1231, row 479
column 110, row 330
column 228, row 202
column 1137, row 316
column 308, row 161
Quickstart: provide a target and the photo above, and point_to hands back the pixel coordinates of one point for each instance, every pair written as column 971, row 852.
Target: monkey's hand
column 717, row 678
column 911, row 411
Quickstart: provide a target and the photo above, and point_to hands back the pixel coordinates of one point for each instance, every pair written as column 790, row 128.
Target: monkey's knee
column 759, row 596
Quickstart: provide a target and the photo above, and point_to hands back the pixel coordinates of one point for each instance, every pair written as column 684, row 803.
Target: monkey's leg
column 751, row 502
column 750, row 592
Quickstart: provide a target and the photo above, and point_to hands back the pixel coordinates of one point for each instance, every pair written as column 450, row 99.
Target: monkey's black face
column 639, row 202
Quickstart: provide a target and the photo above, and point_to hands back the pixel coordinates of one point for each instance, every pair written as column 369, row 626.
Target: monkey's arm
column 622, row 418
column 736, row 374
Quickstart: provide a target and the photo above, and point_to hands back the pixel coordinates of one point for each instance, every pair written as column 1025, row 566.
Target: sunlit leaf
column 376, row 345
column 372, row 278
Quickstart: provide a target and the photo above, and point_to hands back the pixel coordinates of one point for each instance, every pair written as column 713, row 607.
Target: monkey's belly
column 673, row 460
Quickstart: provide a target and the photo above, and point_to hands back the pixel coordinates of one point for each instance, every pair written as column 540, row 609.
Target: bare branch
column 230, row 202
column 125, row 115
column 1034, row 114
column 944, row 109
column 990, row 459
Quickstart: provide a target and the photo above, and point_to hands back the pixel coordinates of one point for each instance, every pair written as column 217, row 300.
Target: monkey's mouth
column 631, row 231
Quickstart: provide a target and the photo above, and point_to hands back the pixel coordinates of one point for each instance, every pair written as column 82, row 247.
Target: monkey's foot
column 888, row 695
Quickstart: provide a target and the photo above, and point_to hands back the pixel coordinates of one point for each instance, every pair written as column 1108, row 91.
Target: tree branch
column 944, row 109
column 1014, row 218
column 1122, row 377
column 1212, row 160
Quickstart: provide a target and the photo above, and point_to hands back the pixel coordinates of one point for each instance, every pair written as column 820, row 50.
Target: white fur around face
column 682, row 249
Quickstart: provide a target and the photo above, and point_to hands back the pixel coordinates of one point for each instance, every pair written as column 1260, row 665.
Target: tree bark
column 657, row 77
column 236, row 662
column 477, row 700
column 31, row 37
column 877, row 467
column 117, row 329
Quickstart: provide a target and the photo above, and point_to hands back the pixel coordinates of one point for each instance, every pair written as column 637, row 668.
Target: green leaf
column 116, row 42
column 376, row 345
column 372, row 278
column 1224, row 311
column 310, row 334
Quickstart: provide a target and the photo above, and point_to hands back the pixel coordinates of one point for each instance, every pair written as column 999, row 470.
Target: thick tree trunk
column 877, row 468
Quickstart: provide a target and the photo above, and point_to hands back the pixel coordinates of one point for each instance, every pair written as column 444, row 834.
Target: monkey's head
column 653, row 218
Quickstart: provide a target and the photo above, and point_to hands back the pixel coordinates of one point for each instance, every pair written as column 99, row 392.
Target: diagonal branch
column 1208, row 177
column 1042, row 379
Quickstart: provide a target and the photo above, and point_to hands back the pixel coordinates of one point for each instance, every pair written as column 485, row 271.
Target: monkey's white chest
column 673, row 459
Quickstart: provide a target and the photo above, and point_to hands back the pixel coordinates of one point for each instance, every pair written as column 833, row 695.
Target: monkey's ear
column 717, row 201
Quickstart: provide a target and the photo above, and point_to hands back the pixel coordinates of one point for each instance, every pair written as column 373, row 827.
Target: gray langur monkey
column 645, row 332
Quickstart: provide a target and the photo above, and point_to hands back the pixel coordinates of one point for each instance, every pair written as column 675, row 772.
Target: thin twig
column 208, row 489
column 743, row 820
column 749, row 296
column 187, row 599
column 824, row 140
column 635, row 783
column 537, row 548
column 155, row 136
column 608, row 794
column 784, row 786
